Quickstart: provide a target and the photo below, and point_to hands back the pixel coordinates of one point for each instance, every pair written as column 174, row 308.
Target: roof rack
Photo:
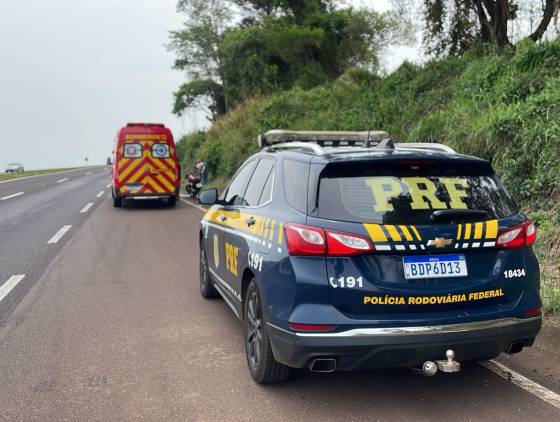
column 430, row 146
column 316, row 141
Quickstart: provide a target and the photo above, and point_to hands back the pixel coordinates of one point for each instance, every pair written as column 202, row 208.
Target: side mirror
column 208, row 196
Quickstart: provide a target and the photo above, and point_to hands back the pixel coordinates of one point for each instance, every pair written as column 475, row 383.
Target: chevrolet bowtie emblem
column 439, row 242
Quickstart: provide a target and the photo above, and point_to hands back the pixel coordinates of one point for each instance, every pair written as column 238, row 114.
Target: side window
column 132, row 150
column 296, row 174
column 258, row 181
column 266, row 194
column 160, row 151
column 236, row 189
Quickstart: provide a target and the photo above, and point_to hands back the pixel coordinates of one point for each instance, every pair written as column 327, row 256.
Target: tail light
column 518, row 236
column 308, row 240
column 339, row 243
column 305, row 240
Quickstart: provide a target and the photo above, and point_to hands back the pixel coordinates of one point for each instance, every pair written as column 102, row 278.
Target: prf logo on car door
column 231, row 258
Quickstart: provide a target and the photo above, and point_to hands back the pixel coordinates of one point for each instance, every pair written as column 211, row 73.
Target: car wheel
column 263, row 367
column 172, row 201
column 207, row 290
column 117, row 202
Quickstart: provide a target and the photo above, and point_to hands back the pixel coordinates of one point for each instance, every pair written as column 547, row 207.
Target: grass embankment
column 8, row 176
column 504, row 107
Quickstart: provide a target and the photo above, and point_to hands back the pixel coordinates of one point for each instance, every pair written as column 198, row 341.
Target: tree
column 197, row 49
column 453, row 26
column 299, row 10
column 201, row 94
column 281, row 44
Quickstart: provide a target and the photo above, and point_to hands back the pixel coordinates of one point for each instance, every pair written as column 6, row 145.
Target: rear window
column 411, row 195
column 132, row 150
column 160, row 151
column 296, row 174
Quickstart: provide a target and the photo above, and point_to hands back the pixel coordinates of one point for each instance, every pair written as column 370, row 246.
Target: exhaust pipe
column 515, row 348
column 323, row 365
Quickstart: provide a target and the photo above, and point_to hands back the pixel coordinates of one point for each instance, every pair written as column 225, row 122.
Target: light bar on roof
column 326, row 138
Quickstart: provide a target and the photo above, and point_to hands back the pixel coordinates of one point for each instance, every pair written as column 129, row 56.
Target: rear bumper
column 140, row 196
column 403, row 346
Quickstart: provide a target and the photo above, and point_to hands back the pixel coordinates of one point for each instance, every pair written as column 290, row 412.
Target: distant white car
column 15, row 168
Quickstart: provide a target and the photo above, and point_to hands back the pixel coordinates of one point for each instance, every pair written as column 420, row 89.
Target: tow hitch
column 430, row 368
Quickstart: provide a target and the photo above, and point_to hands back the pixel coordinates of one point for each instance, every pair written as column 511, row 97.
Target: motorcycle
column 193, row 185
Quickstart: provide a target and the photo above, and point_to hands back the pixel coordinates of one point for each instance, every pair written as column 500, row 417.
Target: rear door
column 162, row 174
column 424, row 262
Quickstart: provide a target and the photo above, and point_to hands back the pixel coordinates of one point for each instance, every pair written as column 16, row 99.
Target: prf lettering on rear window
column 422, row 191
column 231, row 258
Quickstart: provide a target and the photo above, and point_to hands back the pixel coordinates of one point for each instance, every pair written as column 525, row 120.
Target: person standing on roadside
column 201, row 167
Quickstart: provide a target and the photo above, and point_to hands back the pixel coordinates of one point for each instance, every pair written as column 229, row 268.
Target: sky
column 72, row 72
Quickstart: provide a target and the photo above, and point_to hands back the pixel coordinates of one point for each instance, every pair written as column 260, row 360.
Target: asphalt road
column 114, row 329
column 32, row 211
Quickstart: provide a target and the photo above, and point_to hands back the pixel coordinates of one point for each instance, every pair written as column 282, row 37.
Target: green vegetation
column 8, row 176
column 277, row 45
column 502, row 105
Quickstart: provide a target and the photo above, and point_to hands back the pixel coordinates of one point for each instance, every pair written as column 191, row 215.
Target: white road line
column 89, row 172
column 9, row 285
column 100, row 194
column 198, row 207
column 86, row 208
column 108, row 186
column 59, row 234
column 62, row 180
column 11, row 196
column 521, row 381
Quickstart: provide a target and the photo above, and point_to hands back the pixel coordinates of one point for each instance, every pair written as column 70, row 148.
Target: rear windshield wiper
column 455, row 215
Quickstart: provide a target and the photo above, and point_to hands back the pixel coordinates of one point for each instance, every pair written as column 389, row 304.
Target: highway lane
column 116, row 330
column 31, row 184
column 28, row 221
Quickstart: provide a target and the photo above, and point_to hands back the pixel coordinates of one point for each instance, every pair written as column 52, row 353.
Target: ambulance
column 145, row 164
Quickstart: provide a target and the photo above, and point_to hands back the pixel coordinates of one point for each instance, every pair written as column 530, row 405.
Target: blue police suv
column 346, row 250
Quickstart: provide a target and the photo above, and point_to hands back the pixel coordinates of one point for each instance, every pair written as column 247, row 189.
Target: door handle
column 250, row 221
column 222, row 218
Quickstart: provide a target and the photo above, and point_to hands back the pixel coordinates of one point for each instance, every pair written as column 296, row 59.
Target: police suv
column 346, row 250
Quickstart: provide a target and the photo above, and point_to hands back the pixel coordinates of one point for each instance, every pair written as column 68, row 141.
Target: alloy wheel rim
column 254, row 330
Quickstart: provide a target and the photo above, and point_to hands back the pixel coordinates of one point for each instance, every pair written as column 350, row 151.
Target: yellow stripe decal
column 272, row 230
column 478, row 230
column 491, row 229
column 375, row 232
column 393, row 233
column 459, row 230
column 265, row 227
column 467, row 231
column 416, row 232
column 406, row 233
column 280, row 233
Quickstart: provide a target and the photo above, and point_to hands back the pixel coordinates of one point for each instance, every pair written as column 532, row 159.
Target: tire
column 117, row 202
column 263, row 367
column 207, row 290
column 172, row 201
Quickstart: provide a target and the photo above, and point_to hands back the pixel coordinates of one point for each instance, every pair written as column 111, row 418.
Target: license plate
column 133, row 186
column 434, row 266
